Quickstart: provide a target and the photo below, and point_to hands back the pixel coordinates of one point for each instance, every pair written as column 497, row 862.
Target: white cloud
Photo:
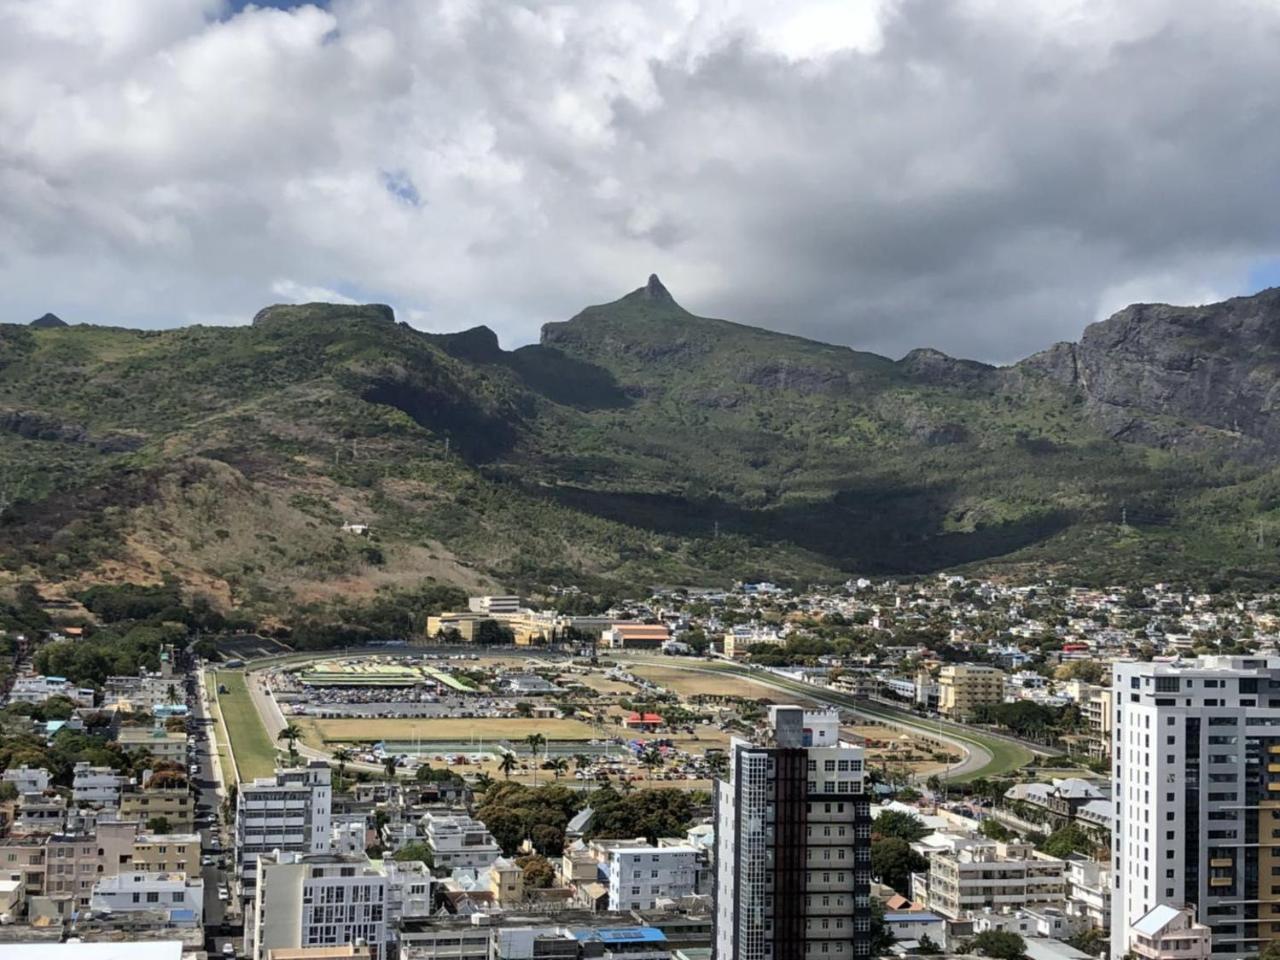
column 885, row 173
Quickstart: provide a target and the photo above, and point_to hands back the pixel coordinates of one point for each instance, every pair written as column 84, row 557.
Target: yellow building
column 963, row 687
column 167, row 853
column 176, row 806
column 528, row 627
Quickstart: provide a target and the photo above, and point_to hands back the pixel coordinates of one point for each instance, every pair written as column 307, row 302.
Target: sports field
column 320, row 733
column 254, row 750
column 362, row 673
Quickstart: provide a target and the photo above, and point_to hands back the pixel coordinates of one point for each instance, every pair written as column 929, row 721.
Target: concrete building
column 457, row 840
column 1169, row 933
column 38, row 689
column 993, row 875
column 167, row 853
column 178, row 897
column 1196, row 794
column 963, row 687
column 1089, row 891
column 641, row 875
column 162, row 744
column 290, row 812
column 100, row 786
column 317, row 900
column 793, row 843
column 175, row 805
column 27, row 779
column 488, row 606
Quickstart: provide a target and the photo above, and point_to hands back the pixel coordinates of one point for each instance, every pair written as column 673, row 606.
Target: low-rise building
column 100, row 786
column 992, row 875
column 173, row 804
column 640, row 875
column 635, row 636
column 1166, row 932
column 27, row 779
column 162, row 744
column 457, row 840
column 167, row 853
column 178, row 897
column 38, row 689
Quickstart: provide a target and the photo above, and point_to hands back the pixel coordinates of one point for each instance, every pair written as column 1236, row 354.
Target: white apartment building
column 793, row 844
column 100, row 786
column 640, row 875
column 179, row 897
column 993, row 875
column 292, row 811
column 1089, row 891
column 1196, row 776
column 410, row 890
column 38, row 689
column 27, row 779
column 316, row 900
column 457, row 840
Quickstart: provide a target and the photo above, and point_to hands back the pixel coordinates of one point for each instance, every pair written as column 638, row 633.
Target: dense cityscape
column 937, row 766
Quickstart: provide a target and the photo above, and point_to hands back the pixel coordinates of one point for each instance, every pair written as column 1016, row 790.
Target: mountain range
column 636, row 444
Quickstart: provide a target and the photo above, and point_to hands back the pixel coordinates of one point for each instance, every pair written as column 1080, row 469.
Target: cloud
column 956, row 173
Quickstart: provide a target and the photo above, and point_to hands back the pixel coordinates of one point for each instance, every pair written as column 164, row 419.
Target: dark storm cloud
column 985, row 178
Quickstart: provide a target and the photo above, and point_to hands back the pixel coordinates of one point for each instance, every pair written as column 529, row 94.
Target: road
column 220, row 924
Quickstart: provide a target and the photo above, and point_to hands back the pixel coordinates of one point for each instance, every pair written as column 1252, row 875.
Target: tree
column 926, row 945
column 415, row 850
column 558, row 766
column 897, row 823
column 882, row 937
column 536, row 870
column 1067, row 840
column 483, row 782
column 507, row 764
column 993, row 829
column 159, row 825
column 171, row 695
column 1000, row 944
column 291, row 733
column 893, row 861
column 718, row 765
column 536, row 742
column 389, row 765
column 651, row 759
column 343, row 755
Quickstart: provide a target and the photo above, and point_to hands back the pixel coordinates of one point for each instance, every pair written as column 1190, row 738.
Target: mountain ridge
column 635, row 443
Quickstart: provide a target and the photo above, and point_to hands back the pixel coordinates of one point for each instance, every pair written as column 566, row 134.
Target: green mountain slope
column 637, row 443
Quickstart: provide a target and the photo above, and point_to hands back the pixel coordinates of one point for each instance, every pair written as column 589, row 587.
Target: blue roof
column 622, row 935
column 904, row 917
column 52, row 679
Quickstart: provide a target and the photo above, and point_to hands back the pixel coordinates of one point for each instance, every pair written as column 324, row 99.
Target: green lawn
column 254, row 749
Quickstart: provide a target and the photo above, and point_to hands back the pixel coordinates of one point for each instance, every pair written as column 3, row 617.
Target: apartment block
column 1196, row 790
column 291, row 812
column 997, row 876
column 793, row 843
column 641, row 875
column 457, row 840
column 176, row 896
column 317, row 900
column 963, row 687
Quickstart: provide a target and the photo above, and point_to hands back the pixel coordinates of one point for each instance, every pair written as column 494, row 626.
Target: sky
column 977, row 176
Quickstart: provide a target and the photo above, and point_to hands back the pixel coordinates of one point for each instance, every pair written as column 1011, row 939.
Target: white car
column 228, row 949
column 223, row 895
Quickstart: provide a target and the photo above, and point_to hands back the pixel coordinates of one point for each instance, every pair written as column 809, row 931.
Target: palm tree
column 507, row 764
column 536, row 742
column 581, row 761
column 389, row 767
column 291, row 733
column 558, row 766
column 651, row 759
column 483, row 781
column 171, row 695
column 343, row 756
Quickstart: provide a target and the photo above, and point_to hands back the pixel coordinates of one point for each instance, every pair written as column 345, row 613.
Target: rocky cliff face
column 1166, row 375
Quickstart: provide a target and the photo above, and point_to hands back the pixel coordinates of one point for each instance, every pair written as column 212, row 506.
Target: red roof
column 645, row 718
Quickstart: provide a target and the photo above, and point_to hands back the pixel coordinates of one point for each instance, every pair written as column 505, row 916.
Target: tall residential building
column 292, row 811
column 793, row 844
column 963, row 687
column 1196, row 768
column 317, row 900
column 639, row 876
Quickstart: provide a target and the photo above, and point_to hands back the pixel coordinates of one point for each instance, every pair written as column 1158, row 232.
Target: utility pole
column 1124, row 517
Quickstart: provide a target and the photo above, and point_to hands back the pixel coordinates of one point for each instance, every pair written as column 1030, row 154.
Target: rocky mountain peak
column 48, row 321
